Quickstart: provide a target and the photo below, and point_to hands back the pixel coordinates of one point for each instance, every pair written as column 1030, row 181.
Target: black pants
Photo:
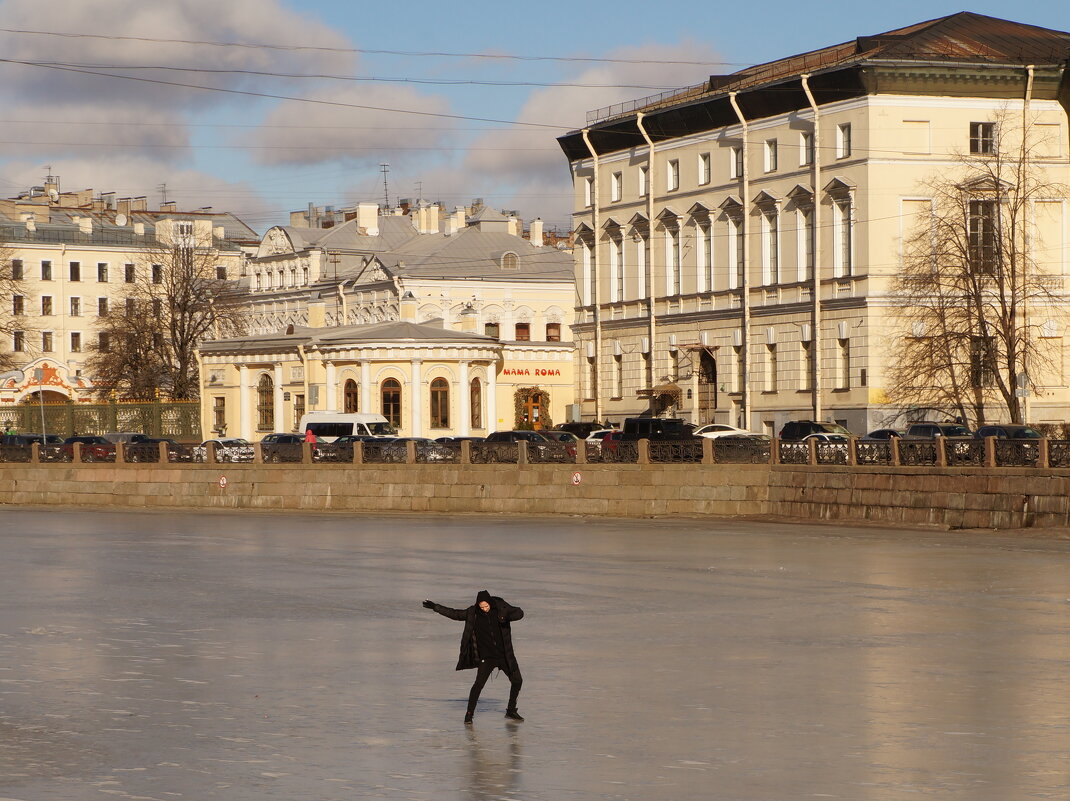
column 483, row 673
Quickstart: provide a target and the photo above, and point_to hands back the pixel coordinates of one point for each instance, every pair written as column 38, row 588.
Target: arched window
column 510, row 261
column 476, row 403
column 351, row 397
column 440, row 403
column 265, row 404
column 390, row 393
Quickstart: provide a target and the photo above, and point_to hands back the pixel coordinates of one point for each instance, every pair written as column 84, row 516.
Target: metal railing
column 951, row 453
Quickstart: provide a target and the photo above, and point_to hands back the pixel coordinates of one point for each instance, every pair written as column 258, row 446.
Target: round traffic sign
column 222, row 482
column 576, row 479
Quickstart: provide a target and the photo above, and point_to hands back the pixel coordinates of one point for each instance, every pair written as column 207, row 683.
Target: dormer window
column 510, row 261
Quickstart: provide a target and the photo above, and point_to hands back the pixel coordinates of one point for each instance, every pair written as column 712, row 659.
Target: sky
column 260, row 107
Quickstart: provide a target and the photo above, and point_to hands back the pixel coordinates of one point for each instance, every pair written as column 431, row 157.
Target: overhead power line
column 361, row 50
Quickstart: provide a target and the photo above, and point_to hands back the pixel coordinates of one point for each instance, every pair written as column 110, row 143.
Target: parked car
column 656, row 429
column 94, row 448
column 227, row 449
column 516, row 436
column 718, row 430
column 1008, row 431
column 458, row 440
column 581, row 430
column 882, row 435
column 30, row 439
column 282, row 447
column 932, row 430
column 596, row 437
column 557, row 435
column 798, row 430
column 823, row 436
column 125, row 437
column 148, row 450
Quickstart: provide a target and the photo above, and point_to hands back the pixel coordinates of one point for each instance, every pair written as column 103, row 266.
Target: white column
column 366, row 387
column 465, row 405
column 330, row 400
column 492, row 397
column 416, row 404
column 245, row 417
column 280, row 410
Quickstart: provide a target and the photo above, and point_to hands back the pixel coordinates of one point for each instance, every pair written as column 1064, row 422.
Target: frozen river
column 245, row 657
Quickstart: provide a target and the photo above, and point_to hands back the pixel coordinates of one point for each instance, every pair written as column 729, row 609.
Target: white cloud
column 304, row 133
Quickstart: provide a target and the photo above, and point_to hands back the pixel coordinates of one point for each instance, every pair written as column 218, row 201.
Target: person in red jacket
column 486, row 644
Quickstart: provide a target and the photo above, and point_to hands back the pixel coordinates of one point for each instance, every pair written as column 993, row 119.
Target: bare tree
column 148, row 344
column 972, row 292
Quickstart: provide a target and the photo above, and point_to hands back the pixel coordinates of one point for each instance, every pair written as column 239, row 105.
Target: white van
column 329, row 426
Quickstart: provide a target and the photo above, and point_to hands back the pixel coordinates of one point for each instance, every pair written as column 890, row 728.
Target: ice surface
column 267, row 656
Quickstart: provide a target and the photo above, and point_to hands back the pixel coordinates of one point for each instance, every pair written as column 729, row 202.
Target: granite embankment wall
column 957, row 498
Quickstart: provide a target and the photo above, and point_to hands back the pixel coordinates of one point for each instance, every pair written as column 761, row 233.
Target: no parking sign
column 577, row 477
column 222, row 482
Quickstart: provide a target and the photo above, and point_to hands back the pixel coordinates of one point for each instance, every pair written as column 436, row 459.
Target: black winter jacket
column 503, row 612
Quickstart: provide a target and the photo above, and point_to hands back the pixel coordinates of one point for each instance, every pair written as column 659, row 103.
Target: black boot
column 467, row 717
column 512, row 714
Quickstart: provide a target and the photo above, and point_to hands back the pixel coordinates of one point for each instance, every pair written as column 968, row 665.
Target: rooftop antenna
column 163, row 191
column 385, row 170
column 420, row 189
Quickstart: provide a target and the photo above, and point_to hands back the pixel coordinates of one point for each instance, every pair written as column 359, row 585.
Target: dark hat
column 483, row 596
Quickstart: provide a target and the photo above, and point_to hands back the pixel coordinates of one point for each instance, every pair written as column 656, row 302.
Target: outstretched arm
column 514, row 613
column 445, row 611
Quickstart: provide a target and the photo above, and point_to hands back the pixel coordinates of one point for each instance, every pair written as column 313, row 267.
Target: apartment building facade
column 737, row 241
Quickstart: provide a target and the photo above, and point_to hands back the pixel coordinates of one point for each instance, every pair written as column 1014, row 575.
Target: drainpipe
column 652, row 320
column 745, row 283
column 815, row 334
column 1026, row 243
column 596, row 295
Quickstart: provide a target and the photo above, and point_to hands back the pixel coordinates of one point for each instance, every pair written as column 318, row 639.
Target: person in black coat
column 486, row 644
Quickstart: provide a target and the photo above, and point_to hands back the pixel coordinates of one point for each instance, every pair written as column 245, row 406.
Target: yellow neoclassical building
column 737, row 241
column 448, row 325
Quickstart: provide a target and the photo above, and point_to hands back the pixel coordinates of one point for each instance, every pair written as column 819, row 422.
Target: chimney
column 317, row 315
column 469, row 319
column 85, row 224
column 98, row 204
column 408, row 307
column 513, row 226
column 459, row 220
column 139, row 229
column 450, row 227
column 368, row 218
column 140, row 203
column 219, row 232
column 169, row 206
column 535, row 233
column 109, row 199
column 31, row 223
column 124, row 206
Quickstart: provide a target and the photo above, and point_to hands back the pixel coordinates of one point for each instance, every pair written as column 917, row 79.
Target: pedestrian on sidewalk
column 486, row 644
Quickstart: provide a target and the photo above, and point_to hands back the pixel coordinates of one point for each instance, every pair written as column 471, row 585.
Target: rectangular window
column 672, row 176
column 219, row 411
column 843, row 140
column 808, row 365
column 103, row 342
column 221, row 272
column 736, row 163
column 76, row 271
column 640, row 267
column 102, row 307
column 617, row 186
column 618, row 250
column 46, row 305
column 492, row 330
column 18, row 305
column 982, row 235
column 771, row 368
column 131, row 307
column 46, row 271
column 842, row 229
column 592, row 378
column 982, row 363
column 843, row 372
column 523, row 332
column 76, row 342
column 46, row 341
column 982, row 138
column 735, row 252
column 704, row 255
column 102, row 273
column 553, row 332
column 741, row 373
column 672, row 261
column 76, row 307
column 157, row 274
column 16, row 270
column 299, row 409
column 771, row 249
column 588, row 191
column 806, row 243
column 806, row 148
column 705, row 174
column 644, row 174
column 157, row 308
column 18, row 341
column 770, row 155
column 128, row 273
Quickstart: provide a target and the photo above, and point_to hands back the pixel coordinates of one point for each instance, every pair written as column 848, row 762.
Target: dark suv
column 796, row 430
column 657, row 429
column 282, row 447
column 934, row 430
